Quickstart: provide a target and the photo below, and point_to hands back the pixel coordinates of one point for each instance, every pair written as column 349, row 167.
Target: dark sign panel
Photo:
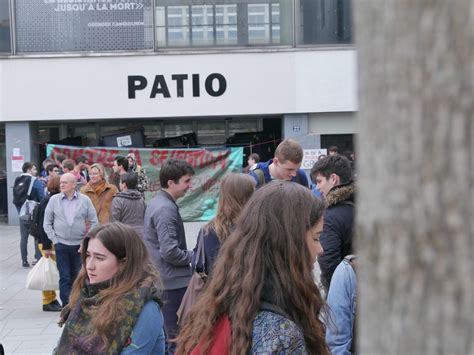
column 83, row 25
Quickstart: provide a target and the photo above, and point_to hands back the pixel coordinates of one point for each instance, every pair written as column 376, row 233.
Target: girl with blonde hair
column 100, row 192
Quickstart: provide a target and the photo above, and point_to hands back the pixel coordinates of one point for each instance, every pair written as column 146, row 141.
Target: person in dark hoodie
column 128, row 206
column 333, row 177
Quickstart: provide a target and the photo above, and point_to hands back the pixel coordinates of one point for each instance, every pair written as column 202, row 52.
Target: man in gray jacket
column 128, row 206
column 65, row 222
column 166, row 241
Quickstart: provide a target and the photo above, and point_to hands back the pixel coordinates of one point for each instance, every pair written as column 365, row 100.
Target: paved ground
column 24, row 327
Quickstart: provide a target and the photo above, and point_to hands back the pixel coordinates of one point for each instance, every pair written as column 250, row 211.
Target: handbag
column 196, row 285
column 44, row 276
column 28, row 206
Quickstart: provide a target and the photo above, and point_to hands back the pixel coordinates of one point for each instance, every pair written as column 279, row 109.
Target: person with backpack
column 27, row 187
column 50, row 302
column 284, row 166
column 142, row 179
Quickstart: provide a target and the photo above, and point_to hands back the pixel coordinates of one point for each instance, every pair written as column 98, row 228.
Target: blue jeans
column 172, row 301
column 69, row 264
column 24, row 234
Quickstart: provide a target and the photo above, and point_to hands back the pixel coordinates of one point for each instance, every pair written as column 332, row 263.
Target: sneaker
column 52, row 307
column 26, row 264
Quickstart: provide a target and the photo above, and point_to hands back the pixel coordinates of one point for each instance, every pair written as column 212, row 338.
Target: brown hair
column 53, row 184
column 289, row 150
column 267, row 254
column 235, row 191
column 135, row 265
column 68, row 164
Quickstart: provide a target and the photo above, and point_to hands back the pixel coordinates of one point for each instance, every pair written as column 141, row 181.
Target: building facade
column 247, row 72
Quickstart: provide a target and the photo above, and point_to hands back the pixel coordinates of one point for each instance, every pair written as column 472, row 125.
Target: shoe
column 34, row 262
column 55, row 302
column 52, row 307
column 26, row 264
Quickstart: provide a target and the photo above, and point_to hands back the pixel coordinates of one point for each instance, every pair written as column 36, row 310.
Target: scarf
column 76, row 337
column 99, row 187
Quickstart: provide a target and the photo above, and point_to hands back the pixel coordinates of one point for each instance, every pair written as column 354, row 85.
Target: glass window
column 224, row 23
column 174, row 129
column 242, row 126
column 152, row 132
column 324, row 21
column 211, row 132
column 59, row 26
column 88, row 132
column 5, row 42
column 202, row 25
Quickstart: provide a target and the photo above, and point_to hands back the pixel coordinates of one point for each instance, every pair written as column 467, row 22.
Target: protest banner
column 210, row 166
column 311, row 156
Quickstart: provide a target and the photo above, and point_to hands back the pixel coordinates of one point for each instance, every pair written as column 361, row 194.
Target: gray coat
column 128, row 207
column 166, row 242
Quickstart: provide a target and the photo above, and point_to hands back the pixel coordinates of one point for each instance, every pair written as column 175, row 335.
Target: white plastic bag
column 44, row 276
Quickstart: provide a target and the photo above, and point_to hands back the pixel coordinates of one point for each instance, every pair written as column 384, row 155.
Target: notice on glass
column 17, row 163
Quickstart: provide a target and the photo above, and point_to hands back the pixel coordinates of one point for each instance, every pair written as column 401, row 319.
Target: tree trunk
column 415, row 224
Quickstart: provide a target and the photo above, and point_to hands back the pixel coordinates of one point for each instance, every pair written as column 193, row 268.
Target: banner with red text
column 210, row 166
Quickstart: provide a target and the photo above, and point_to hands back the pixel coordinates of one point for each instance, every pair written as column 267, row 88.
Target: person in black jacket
column 332, row 176
column 235, row 190
column 50, row 303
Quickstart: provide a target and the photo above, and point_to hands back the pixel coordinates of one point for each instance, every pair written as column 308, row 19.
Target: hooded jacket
column 128, row 207
column 336, row 238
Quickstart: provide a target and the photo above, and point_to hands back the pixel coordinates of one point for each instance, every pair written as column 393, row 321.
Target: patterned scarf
column 76, row 337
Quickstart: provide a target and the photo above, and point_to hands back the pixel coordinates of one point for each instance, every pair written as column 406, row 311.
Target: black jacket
column 43, row 237
column 336, row 238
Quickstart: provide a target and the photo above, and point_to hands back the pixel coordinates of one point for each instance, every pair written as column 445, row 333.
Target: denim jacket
column 342, row 307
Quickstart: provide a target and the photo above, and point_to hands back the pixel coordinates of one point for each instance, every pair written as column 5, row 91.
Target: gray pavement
column 24, row 327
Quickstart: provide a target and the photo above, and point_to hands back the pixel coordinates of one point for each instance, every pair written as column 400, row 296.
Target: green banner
column 210, row 166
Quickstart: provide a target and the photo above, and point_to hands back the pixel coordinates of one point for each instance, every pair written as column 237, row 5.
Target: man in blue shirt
column 284, row 166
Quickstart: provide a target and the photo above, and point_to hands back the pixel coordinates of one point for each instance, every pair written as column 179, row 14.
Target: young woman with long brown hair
column 114, row 306
column 261, row 285
column 234, row 192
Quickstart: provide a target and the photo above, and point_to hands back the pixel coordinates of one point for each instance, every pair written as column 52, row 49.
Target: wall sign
column 83, row 25
column 311, row 156
column 214, row 84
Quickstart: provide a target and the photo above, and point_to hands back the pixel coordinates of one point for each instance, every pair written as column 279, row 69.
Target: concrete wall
column 23, row 136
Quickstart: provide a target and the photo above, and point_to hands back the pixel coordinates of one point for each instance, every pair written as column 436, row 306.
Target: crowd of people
column 125, row 267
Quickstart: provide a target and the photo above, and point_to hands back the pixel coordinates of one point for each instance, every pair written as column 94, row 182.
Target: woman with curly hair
column 114, row 306
column 261, row 297
column 234, row 192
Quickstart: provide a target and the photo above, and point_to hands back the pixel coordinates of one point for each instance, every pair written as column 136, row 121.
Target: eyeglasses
column 55, row 170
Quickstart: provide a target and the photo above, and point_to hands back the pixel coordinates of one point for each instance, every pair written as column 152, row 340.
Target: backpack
column 22, row 189
column 34, row 222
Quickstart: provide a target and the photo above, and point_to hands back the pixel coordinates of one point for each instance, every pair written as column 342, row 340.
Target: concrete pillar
column 296, row 126
column 22, row 136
